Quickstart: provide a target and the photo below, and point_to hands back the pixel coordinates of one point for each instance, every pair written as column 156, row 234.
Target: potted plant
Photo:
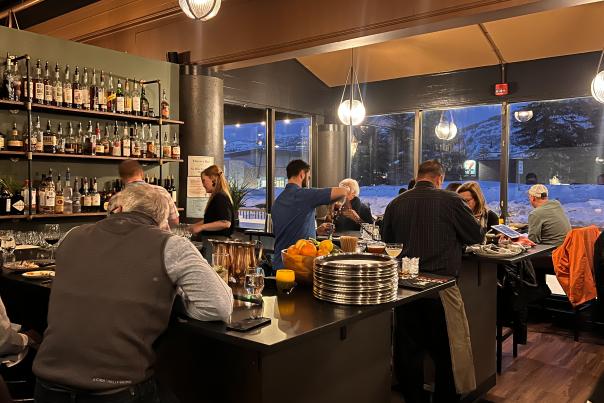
column 239, row 193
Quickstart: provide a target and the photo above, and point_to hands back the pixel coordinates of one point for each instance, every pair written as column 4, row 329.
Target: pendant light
column 523, row 116
column 597, row 84
column 202, row 10
column 446, row 130
column 351, row 111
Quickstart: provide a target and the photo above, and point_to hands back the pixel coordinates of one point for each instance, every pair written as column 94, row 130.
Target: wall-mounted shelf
column 45, row 216
column 51, row 156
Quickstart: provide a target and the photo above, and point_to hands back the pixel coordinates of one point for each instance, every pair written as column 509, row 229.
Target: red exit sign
column 501, row 89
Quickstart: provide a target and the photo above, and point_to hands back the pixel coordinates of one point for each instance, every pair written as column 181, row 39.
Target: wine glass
column 254, row 281
column 394, row 249
column 52, row 234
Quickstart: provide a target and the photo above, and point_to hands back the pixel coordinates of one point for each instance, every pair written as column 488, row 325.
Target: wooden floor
column 550, row 368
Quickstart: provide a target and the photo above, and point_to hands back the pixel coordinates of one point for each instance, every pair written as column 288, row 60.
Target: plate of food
column 492, row 250
column 21, row 265
column 39, row 274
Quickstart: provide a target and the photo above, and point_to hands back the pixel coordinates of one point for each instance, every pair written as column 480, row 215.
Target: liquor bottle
column 48, row 87
column 135, row 142
column 144, row 102
column 102, row 94
column 59, row 197
column 77, row 89
column 106, row 197
column 166, row 147
column 67, row 90
column 50, row 194
column 70, row 142
column 172, row 190
column 2, row 142
column 67, row 194
column 136, row 100
column 87, row 141
column 57, row 91
column 127, row 99
column 99, row 148
column 60, row 140
column 42, row 195
column 126, row 145
column 106, row 142
column 27, row 87
column 175, row 147
column 5, row 198
column 38, row 134
column 85, row 90
column 94, row 93
column 50, row 139
column 157, row 146
column 76, row 203
column 87, row 198
column 111, row 96
column 79, row 140
column 25, row 194
column 38, row 84
column 119, row 100
column 150, row 143
column 95, row 198
column 7, row 91
column 17, row 82
column 116, row 142
column 15, row 140
column 164, row 106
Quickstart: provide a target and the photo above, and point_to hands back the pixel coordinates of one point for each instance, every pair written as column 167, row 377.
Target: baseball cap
column 538, row 191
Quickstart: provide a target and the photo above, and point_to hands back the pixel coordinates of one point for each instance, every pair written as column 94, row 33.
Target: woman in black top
column 353, row 212
column 474, row 198
column 219, row 216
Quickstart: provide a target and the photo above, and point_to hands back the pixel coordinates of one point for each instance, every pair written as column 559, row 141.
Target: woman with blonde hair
column 474, row 198
column 219, row 216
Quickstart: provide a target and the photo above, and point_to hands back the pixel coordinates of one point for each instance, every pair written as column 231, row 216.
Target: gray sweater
column 548, row 224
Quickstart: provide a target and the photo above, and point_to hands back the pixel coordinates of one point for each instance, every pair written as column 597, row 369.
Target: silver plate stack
column 356, row 279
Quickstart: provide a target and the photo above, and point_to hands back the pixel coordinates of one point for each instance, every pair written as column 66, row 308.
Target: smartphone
column 248, row 324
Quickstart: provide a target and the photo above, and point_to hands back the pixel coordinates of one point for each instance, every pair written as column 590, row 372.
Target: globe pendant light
column 351, row 111
column 446, row 130
column 523, row 116
column 597, row 84
column 202, row 10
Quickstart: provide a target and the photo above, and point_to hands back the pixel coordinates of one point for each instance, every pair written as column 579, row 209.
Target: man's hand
column 325, row 229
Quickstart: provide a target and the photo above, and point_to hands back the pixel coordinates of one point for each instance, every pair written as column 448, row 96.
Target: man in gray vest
column 111, row 299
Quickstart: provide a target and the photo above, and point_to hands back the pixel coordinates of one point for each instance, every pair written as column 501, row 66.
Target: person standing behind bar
column 293, row 213
column 219, row 216
column 433, row 225
column 105, row 315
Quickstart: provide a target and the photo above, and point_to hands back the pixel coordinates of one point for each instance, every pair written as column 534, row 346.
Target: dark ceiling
column 42, row 11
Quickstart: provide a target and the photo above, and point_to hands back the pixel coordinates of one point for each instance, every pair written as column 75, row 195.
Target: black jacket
column 432, row 224
column 346, row 224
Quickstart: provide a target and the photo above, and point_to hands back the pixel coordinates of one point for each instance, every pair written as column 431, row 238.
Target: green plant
column 240, row 192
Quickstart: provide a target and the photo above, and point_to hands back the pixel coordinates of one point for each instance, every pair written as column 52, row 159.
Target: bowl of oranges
column 301, row 256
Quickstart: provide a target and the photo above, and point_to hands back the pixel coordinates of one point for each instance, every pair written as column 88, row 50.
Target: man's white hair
column 351, row 184
column 143, row 199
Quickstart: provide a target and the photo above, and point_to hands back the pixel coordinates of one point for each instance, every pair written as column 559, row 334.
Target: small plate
column 39, row 274
column 21, row 265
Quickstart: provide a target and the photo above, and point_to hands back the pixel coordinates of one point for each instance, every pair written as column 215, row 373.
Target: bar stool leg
column 499, row 338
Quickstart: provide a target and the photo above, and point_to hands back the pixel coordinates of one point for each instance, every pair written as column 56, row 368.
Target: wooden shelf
column 20, row 154
column 6, row 104
column 45, row 156
column 43, row 216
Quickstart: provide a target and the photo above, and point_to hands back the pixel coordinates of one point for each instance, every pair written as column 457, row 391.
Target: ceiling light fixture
column 523, row 116
column 351, row 111
column 446, row 130
column 597, row 84
column 202, row 10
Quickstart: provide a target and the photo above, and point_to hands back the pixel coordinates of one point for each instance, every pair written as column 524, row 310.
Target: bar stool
column 500, row 338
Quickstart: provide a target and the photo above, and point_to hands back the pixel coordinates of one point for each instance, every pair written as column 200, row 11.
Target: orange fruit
column 292, row 250
column 326, row 245
column 308, row 250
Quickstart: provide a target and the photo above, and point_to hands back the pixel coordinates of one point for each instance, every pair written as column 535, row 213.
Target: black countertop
column 535, row 251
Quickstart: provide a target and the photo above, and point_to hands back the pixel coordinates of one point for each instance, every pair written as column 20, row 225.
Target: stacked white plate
column 356, row 279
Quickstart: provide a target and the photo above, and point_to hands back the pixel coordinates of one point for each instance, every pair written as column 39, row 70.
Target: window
column 292, row 141
column 382, row 157
column 560, row 145
column 473, row 153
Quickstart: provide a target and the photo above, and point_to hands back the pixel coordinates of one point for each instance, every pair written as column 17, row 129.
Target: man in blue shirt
column 293, row 213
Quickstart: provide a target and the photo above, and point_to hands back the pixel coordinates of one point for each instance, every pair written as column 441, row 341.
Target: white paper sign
column 197, row 163
column 195, row 187
column 196, row 206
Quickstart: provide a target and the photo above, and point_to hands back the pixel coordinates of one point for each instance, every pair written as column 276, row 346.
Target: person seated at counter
column 112, row 298
column 349, row 215
column 433, row 225
column 293, row 213
column 548, row 223
column 472, row 194
column 453, row 186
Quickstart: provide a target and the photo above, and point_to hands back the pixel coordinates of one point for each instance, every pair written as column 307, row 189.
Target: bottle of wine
column 57, row 88
column 48, row 87
column 59, row 197
column 67, row 90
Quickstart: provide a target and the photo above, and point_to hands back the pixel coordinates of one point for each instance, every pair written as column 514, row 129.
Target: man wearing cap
column 548, row 223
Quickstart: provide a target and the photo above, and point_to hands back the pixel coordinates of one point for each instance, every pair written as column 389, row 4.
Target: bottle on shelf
column 127, row 98
column 42, row 195
column 94, row 93
column 5, row 198
column 98, row 145
column 59, row 197
column 67, row 90
column 95, row 198
column 70, row 141
column 165, row 105
column 106, row 141
column 76, row 199
column 85, row 90
column 136, row 100
column 116, row 142
column 17, row 205
column 102, row 101
column 17, row 82
column 111, row 96
column 144, row 102
column 38, row 84
column 126, row 144
column 50, row 139
column 57, row 87
column 172, row 190
column 79, row 140
column 68, row 194
column 150, row 143
column 48, row 87
column 7, row 91
column 119, row 98
column 60, row 140
column 49, row 194
column 86, row 197
column 2, row 142
column 135, row 142
column 166, row 147
column 38, row 143
column 157, row 145
column 106, row 197
column 27, row 87
column 77, row 89
column 87, row 140
column 15, row 140
column 175, row 146
column 25, row 194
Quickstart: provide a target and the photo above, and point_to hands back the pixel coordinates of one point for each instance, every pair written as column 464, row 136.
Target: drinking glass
column 394, row 249
column 220, row 263
column 286, row 281
column 254, row 281
column 377, row 248
column 52, row 234
column 7, row 242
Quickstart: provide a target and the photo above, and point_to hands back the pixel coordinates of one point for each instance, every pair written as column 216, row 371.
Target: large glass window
column 382, row 157
column 558, row 144
column 468, row 143
column 292, row 141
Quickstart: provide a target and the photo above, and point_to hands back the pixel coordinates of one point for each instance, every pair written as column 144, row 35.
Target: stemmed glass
column 394, row 249
column 52, row 234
